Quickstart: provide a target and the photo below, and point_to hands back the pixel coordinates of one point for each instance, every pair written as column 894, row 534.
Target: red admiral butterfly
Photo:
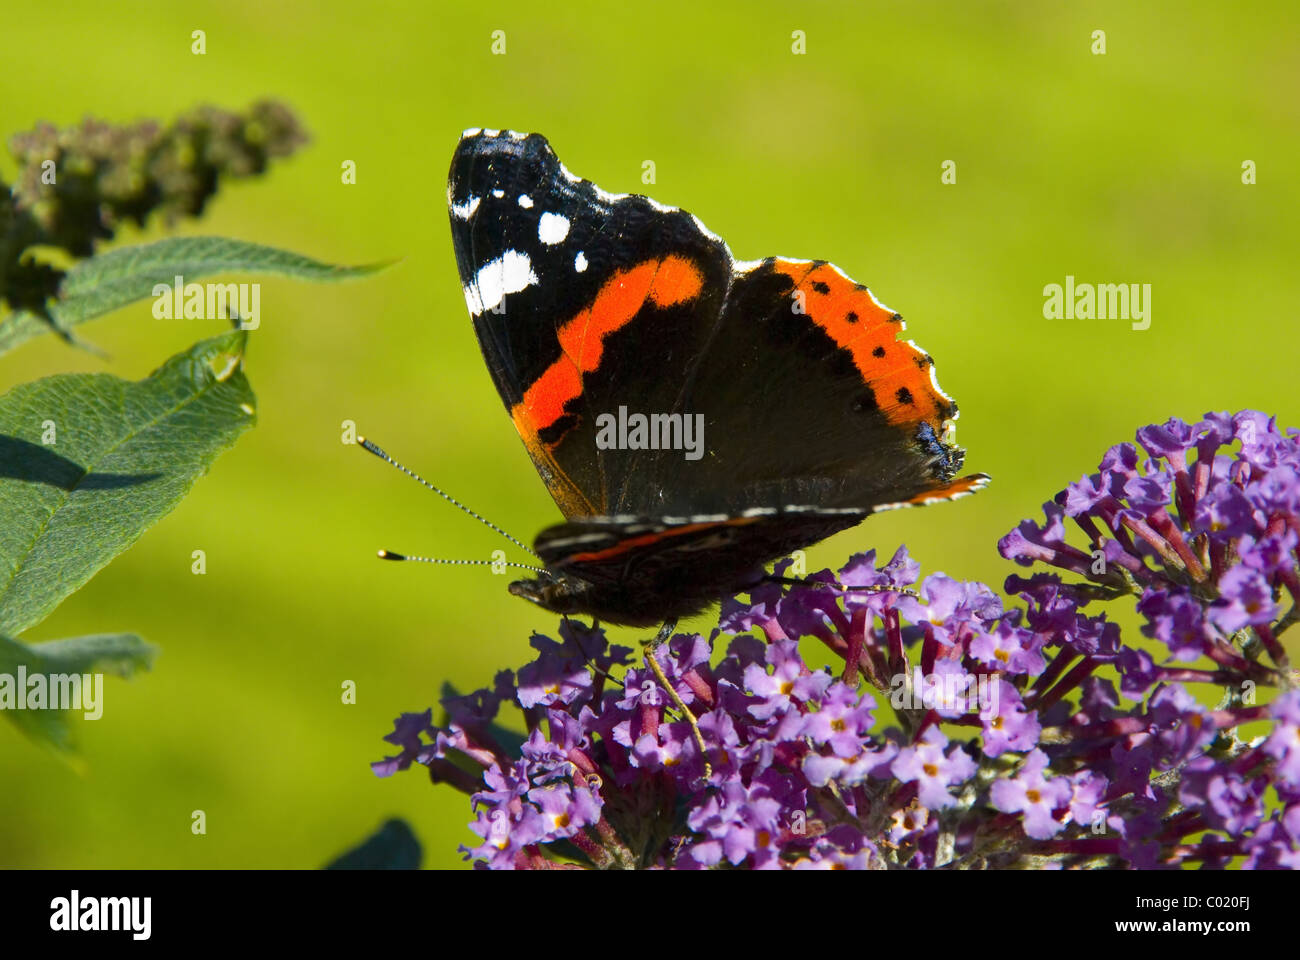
column 806, row 411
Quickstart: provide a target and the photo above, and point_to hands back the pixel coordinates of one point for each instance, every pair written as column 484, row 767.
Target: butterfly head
column 556, row 592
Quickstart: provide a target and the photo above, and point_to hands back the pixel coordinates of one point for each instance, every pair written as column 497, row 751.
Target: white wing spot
column 509, row 273
column 472, row 299
column 525, row 201
column 552, row 228
column 580, row 262
column 498, row 194
column 463, row 211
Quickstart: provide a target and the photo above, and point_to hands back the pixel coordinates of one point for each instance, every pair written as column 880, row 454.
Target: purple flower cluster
column 956, row 731
column 1206, row 537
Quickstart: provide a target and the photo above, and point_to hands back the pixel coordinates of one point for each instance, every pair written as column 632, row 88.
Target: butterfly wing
column 641, row 572
column 588, row 305
column 582, row 301
column 841, row 412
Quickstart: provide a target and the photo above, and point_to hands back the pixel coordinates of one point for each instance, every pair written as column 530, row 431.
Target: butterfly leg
column 652, row 661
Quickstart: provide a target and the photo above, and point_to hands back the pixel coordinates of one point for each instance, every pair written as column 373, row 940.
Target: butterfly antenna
column 389, row 555
column 379, row 452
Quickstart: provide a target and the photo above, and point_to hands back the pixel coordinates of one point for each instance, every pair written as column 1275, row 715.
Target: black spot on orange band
column 897, row 372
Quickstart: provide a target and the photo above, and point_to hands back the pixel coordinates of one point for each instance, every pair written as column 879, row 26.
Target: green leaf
column 123, row 455
column 111, row 280
column 392, row 847
column 117, row 653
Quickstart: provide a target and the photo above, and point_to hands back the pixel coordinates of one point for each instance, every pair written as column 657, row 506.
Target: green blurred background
column 1117, row 168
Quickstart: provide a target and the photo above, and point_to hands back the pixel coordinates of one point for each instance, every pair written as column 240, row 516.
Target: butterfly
column 694, row 417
